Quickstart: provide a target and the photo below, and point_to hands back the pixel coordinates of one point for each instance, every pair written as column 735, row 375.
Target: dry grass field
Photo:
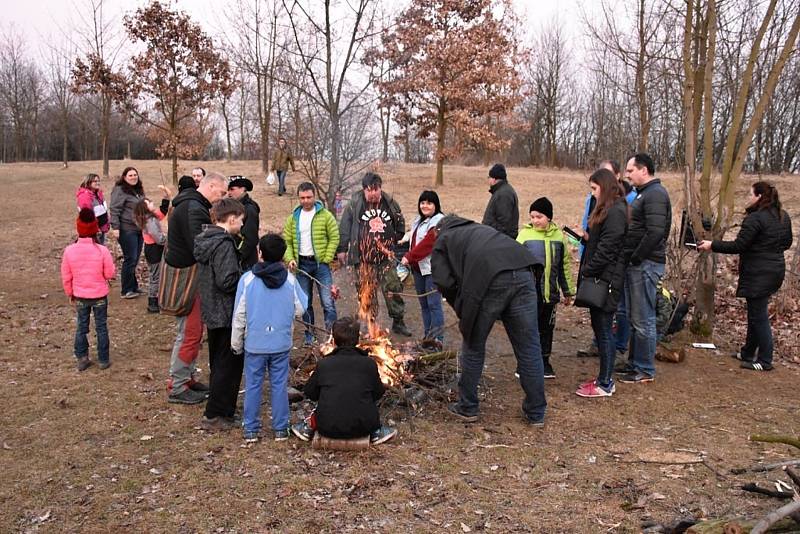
column 103, row 451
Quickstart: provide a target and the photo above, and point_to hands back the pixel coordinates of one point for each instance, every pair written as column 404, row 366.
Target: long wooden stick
column 786, row 440
column 774, row 516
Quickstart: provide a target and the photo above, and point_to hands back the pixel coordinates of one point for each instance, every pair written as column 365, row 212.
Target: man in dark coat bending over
column 486, row 276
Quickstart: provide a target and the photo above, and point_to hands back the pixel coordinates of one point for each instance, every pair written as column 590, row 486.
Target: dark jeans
column 85, row 307
column 510, row 297
column 281, row 181
column 622, row 335
column 321, row 272
column 601, row 325
column 226, row 374
column 131, row 244
column 758, row 344
column 546, row 323
column 431, row 306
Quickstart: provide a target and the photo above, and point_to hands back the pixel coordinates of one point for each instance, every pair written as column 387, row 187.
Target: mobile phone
column 571, row 232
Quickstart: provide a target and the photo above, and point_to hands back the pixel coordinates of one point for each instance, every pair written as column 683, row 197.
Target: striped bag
column 177, row 290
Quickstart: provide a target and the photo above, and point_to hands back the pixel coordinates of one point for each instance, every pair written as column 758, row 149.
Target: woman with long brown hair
column 603, row 261
column 127, row 192
column 766, row 232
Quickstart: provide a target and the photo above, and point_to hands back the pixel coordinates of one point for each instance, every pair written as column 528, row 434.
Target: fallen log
column 775, row 516
column 755, row 488
column 763, row 468
column 743, row 526
column 786, row 440
column 322, row 442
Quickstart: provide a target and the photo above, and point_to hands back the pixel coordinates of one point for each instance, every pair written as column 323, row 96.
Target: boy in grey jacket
column 219, row 273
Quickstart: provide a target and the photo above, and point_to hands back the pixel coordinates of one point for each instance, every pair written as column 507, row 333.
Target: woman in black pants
column 766, row 232
column 603, row 260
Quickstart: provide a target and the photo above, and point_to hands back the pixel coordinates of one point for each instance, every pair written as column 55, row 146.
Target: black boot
column 152, row 305
column 399, row 327
column 548, row 369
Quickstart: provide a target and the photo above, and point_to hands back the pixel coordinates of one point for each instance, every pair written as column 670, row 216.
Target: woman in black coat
column 766, row 232
column 603, row 260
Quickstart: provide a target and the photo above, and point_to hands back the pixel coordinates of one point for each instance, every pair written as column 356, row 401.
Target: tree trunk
column 441, row 128
column 105, row 120
column 65, row 142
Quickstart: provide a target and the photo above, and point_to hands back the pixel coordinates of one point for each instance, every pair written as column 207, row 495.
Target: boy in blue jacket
column 267, row 300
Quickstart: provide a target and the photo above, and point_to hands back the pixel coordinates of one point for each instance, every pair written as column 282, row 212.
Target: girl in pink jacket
column 90, row 195
column 86, row 269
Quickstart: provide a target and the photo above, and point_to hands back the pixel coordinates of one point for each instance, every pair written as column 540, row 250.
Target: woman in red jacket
column 90, row 195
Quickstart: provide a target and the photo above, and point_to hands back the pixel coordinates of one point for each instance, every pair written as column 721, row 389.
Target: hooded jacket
column 502, row 211
column 603, row 257
column 465, row 259
column 346, row 385
column 190, row 214
column 324, row 234
column 218, row 275
column 123, row 200
column 551, row 250
column 760, row 244
column 651, row 218
column 268, row 298
column 249, row 234
column 387, row 219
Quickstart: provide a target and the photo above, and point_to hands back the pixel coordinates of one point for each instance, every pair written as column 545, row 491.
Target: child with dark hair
column 219, row 272
column 86, row 269
column 346, row 386
column 268, row 298
column 148, row 219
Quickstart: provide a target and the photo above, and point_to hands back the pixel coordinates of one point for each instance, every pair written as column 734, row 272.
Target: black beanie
column 498, row 172
column 543, row 206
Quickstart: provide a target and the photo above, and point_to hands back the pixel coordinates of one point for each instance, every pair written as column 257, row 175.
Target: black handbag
column 592, row 293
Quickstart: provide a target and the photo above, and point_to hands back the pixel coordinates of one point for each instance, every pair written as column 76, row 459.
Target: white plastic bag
column 271, row 178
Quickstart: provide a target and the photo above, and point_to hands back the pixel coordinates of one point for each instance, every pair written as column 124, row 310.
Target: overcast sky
column 43, row 21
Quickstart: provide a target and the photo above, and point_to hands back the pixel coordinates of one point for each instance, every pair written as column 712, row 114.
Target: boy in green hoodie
column 553, row 271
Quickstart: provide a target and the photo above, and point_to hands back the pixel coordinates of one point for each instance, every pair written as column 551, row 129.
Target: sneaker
column 548, row 371
column 382, row 435
column 636, row 377
column 84, row 363
column 455, row 410
column 738, row 356
column 187, row 396
column 756, row 366
column 591, row 352
column 399, row 327
column 537, row 423
column 199, row 386
column 139, row 291
column 623, row 368
column 104, row 365
column 280, row 435
column 212, row 424
column 130, row 295
column 251, row 437
column 152, row 305
column 303, row 431
column 593, row 389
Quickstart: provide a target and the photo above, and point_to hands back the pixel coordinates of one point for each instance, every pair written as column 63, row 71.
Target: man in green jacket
column 312, row 236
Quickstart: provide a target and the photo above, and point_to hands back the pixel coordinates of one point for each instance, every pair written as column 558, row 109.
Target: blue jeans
column 255, row 366
column 642, row 281
column 131, row 244
column 281, row 181
column 85, row 307
column 510, row 297
column 321, row 272
column 622, row 336
column 432, row 312
column 601, row 325
column 758, row 345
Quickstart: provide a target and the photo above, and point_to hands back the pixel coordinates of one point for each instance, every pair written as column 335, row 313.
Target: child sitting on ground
column 553, row 271
column 148, row 218
column 267, row 300
column 346, row 386
column 86, row 269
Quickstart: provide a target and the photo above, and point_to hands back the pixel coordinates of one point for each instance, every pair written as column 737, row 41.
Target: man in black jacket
column 645, row 250
column 486, row 276
column 502, row 212
column 189, row 214
column 346, row 385
column 238, row 187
